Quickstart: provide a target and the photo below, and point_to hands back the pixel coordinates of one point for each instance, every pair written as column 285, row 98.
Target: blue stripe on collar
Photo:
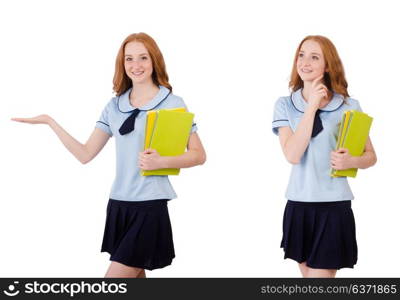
column 300, row 104
column 124, row 105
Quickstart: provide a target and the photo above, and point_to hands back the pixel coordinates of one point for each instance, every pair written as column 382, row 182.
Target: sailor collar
column 300, row 104
column 124, row 104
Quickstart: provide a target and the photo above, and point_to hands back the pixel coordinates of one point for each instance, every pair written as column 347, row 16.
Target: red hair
column 122, row 82
column 334, row 78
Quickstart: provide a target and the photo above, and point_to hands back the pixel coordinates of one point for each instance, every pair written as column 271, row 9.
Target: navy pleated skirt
column 322, row 234
column 139, row 234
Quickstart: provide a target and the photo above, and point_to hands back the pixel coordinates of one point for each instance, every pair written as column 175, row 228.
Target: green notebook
column 170, row 136
column 353, row 135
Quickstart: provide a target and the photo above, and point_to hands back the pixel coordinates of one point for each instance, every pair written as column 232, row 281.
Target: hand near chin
column 318, row 92
column 41, row 119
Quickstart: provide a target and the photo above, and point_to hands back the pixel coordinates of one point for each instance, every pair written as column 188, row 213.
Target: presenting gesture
column 41, row 119
column 83, row 152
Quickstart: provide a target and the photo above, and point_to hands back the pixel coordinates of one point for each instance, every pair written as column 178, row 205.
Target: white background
column 230, row 61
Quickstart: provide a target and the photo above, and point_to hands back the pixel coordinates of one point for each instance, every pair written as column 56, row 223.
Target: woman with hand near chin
column 318, row 227
column 138, row 232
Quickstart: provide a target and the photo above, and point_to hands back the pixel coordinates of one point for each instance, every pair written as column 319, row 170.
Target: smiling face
column 137, row 62
column 311, row 61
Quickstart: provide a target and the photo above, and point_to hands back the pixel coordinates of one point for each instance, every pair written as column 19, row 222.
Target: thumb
column 149, row 151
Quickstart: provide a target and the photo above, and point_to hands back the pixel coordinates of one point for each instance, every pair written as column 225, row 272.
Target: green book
column 170, row 136
column 353, row 135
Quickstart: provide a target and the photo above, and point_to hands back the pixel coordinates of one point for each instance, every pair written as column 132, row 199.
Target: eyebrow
column 139, row 54
column 313, row 53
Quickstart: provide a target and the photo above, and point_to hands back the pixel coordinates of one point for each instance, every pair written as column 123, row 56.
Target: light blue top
column 310, row 180
column 129, row 185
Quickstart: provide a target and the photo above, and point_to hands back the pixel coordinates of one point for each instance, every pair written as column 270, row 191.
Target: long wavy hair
column 122, row 82
column 334, row 78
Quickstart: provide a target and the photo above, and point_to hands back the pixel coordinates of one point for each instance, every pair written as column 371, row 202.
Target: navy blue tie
column 129, row 123
column 317, row 127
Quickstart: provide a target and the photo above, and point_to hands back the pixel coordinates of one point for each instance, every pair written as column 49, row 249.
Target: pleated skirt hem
column 138, row 234
column 322, row 234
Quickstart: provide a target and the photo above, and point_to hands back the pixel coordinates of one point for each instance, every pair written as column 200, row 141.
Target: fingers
column 337, row 155
column 323, row 94
column 322, row 90
column 148, row 159
column 144, row 158
column 142, row 162
column 334, row 155
column 26, row 121
column 19, row 119
column 336, row 163
column 146, row 153
column 317, row 80
column 149, row 151
column 40, row 119
column 340, row 159
column 319, row 89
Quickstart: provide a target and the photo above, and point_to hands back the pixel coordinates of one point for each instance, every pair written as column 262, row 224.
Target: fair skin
column 138, row 67
column 308, row 272
column 311, row 67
